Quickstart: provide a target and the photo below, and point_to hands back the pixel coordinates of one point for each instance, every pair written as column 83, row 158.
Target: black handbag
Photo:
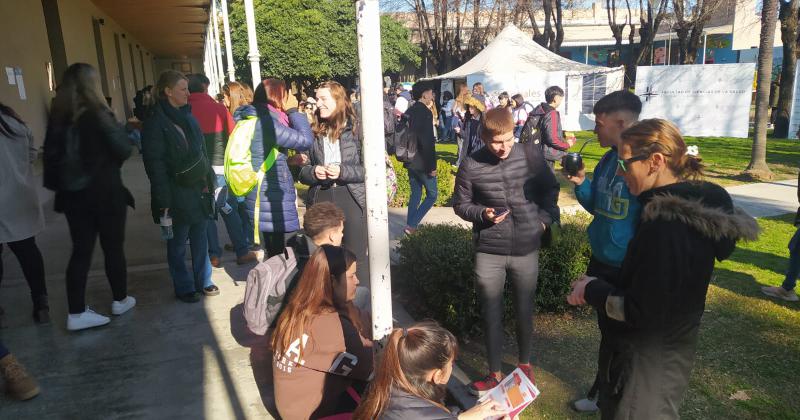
column 194, row 172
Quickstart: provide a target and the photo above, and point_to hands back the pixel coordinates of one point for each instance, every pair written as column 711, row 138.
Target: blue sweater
column 615, row 210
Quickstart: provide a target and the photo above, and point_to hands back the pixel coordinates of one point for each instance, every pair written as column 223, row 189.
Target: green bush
column 446, row 179
column 436, row 273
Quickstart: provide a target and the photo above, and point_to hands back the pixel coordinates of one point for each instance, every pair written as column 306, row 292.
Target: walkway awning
column 168, row 28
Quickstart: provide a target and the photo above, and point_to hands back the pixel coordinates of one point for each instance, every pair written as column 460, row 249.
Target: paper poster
column 702, row 100
column 447, row 86
column 20, row 83
column 12, row 79
column 513, row 394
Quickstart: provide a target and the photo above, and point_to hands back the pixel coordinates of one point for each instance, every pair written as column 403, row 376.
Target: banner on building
column 702, row 100
column 794, row 115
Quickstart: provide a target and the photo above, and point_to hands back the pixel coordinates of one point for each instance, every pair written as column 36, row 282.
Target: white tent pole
column 228, row 48
column 253, row 55
column 669, row 49
column 369, row 65
column 586, row 58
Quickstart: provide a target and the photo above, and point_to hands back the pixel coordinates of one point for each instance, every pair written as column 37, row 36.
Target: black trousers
column 30, row 259
column 275, row 242
column 609, row 273
column 84, row 227
column 355, row 227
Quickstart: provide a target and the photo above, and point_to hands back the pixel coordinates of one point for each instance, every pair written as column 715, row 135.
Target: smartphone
column 501, row 211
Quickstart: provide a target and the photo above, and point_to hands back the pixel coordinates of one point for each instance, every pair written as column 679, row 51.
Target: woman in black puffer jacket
column 335, row 172
column 653, row 310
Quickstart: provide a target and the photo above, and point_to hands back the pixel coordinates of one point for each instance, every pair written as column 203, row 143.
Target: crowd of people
column 656, row 233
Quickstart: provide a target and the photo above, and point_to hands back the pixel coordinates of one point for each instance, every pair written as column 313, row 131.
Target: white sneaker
column 780, row 293
column 585, row 406
column 87, row 319
column 119, row 307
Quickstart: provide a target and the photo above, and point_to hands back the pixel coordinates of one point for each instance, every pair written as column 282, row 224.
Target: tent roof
column 513, row 51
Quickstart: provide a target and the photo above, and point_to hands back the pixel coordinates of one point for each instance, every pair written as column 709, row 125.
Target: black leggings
column 84, row 227
column 30, row 258
column 610, row 274
column 355, row 227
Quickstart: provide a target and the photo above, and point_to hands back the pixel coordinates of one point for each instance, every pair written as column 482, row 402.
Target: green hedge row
column 446, row 179
column 436, row 273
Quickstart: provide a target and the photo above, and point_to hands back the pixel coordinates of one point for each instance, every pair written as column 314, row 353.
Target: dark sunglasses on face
column 624, row 163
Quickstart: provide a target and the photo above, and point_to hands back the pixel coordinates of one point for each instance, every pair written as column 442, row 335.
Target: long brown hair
column 271, row 91
column 79, row 90
column 321, row 288
column 237, row 95
column 656, row 135
column 410, row 354
column 343, row 115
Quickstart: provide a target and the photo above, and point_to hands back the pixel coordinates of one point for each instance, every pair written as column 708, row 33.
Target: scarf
column 282, row 117
column 183, row 119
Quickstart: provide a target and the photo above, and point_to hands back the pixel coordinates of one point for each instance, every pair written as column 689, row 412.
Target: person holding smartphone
column 510, row 195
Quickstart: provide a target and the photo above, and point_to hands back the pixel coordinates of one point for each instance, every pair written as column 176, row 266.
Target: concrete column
column 253, row 55
column 217, row 47
column 369, row 65
column 228, row 48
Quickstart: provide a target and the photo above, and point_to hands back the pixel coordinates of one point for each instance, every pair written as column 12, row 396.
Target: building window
column 594, row 88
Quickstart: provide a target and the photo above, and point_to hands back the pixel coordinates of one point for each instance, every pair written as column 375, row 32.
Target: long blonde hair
column 79, row 90
column 237, row 95
column 343, row 115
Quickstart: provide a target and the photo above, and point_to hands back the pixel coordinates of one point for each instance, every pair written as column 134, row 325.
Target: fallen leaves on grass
column 740, row 395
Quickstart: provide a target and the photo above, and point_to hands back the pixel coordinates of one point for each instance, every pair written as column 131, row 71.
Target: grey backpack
column 266, row 288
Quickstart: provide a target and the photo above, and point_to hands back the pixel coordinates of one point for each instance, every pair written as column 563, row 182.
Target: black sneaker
column 192, row 297
column 211, row 290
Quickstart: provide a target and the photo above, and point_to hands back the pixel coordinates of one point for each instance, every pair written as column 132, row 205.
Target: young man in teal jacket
column 606, row 197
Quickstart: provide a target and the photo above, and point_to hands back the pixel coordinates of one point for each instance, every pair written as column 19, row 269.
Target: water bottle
column 166, row 226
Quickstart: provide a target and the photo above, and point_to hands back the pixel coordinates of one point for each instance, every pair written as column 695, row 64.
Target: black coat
column 421, row 123
column 352, row 167
column 650, row 315
column 165, row 151
column 523, row 183
column 403, row 405
column 104, row 148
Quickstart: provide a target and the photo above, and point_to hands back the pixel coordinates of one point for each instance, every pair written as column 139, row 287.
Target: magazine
column 514, row 393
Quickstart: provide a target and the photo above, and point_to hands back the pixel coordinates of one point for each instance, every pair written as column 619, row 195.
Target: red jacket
column 215, row 122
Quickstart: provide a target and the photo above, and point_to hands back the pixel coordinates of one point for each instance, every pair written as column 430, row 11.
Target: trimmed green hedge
column 436, row 273
column 446, row 180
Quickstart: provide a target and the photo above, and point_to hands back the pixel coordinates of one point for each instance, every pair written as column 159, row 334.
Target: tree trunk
column 559, row 27
column 758, row 169
column 788, row 15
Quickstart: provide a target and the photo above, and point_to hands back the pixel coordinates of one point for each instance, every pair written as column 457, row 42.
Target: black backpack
column 64, row 168
column 405, row 140
column 532, row 131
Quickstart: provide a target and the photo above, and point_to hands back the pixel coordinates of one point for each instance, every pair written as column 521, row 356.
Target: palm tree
column 757, row 169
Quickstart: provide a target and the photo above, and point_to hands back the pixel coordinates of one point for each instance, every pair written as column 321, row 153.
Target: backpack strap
column 269, row 161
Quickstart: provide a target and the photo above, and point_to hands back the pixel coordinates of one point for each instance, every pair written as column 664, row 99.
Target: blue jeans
column 233, row 224
column 3, row 350
column 794, row 262
column 186, row 282
column 417, row 211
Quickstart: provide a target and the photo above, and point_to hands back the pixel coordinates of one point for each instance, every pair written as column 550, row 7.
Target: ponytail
column 410, row 354
column 661, row 136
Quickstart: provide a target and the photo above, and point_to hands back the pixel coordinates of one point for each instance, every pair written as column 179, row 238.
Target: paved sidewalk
column 167, row 359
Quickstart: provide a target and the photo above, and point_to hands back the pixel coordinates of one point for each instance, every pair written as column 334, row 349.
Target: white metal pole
column 705, row 42
column 586, row 58
column 228, row 48
column 253, row 55
column 213, row 87
column 217, row 46
column 369, row 65
column 669, row 49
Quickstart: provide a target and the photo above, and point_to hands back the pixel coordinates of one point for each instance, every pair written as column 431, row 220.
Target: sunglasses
column 623, row 163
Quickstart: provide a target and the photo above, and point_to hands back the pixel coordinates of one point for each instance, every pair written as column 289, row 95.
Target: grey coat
column 21, row 215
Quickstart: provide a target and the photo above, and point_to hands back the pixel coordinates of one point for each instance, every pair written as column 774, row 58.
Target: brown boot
column 215, row 262
column 248, row 258
column 19, row 385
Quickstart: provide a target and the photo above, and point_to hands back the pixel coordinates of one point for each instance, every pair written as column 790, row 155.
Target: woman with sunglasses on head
column 411, row 379
column 655, row 305
column 320, row 343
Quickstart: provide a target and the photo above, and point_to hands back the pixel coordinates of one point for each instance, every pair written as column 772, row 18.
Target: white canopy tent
column 514, row 63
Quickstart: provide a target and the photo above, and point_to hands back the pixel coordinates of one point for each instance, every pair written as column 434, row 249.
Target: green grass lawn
column 725, row 159
column 748, row 356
